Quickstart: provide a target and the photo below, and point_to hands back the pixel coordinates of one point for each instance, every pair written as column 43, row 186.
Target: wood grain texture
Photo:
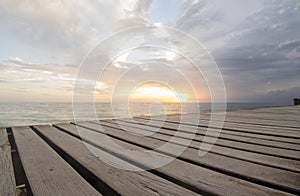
column 259, row 122
column 46, row 171
column 166, row 135
column 235, row 127
column 224, row 135
column 256, row 153
column 205, row 179
column 246, row 131
column 285, row 124
column 290, row 114
column 275, row 177
column 122, row 181
column 7, row 178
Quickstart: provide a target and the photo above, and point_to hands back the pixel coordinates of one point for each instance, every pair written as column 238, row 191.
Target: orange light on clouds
column 157, row 93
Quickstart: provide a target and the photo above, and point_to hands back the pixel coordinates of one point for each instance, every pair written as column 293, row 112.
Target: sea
column 24, row 114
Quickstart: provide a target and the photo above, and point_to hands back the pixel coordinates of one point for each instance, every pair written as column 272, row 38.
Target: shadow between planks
column 255, row 153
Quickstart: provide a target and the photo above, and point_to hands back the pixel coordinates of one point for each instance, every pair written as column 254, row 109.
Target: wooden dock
column 256, row 153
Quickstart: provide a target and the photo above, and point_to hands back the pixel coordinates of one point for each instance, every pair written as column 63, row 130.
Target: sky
column 141, row 50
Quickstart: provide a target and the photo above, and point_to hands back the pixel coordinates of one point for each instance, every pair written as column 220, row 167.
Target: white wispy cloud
column 69, row 25
column 256, row 46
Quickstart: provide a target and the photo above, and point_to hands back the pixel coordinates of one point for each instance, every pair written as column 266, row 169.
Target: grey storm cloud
column 258, row 54
column 282, row 96
column 290, row 45
column 261, row 54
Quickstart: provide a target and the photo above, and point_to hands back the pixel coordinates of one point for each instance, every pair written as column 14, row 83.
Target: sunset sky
column 255, row 44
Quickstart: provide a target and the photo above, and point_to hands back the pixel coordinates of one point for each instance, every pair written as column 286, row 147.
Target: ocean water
column 23, row 114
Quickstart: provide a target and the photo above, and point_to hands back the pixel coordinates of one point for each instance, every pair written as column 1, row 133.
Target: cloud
column 18, row 64
column 15, row 60
column 292, row 48
column 68, row 25
column 257, row 46
column 65, row 31
column 17, row 73
column 289, row 44
column 197, row 17
column 101, row 86
column 283, row 96
column 258, row 54
column 137, row 13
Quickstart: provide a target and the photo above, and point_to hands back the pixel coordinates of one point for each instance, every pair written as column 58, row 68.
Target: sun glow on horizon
column 151, row 93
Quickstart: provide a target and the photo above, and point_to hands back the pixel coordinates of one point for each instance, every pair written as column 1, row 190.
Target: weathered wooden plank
column 244, row 131
column 255, row 116
column 166, row 135
column 122, row 181
column 264, row 117
column 277, row 131
column 274, row 124
column 280, row 179
column 282, row 125
column 7, row 178
column 275, row 111
column 290, row 108
column 223, row 135
column 259, row 120
column 248, row 128
column 46, row 171
column 287, row 107
column 290, row 113
column 238, row 142
column 209, row 181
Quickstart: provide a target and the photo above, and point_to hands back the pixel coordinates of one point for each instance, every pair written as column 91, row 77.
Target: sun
column 157, row 93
